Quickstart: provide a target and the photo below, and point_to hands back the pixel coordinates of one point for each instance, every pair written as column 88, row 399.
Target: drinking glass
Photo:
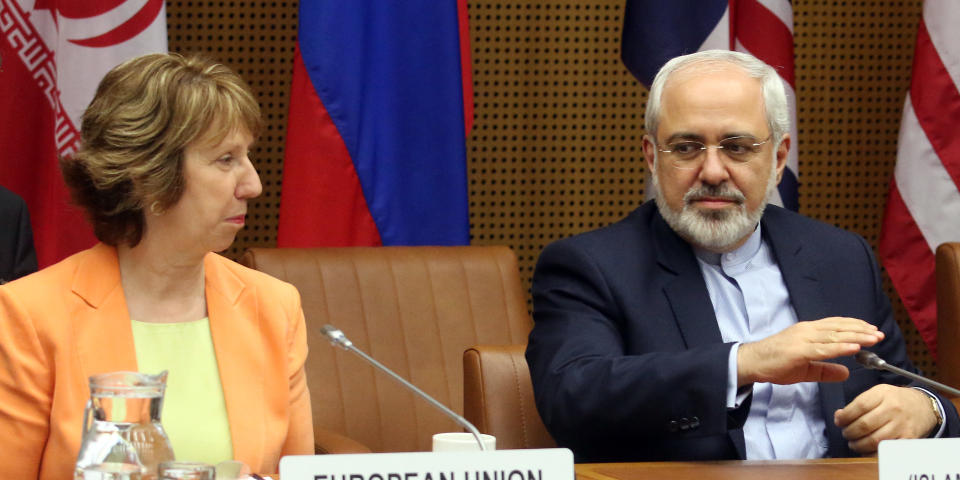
column 186, row 471
column 112, row 471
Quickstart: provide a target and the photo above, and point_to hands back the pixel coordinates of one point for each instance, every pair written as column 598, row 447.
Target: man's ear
column 783, row 151
column 649, row 150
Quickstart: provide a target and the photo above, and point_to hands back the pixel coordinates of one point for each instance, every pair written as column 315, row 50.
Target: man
column 17, row 257
column 708, row 325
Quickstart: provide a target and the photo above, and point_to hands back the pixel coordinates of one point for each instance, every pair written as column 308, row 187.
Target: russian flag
column 655, row 31
column 380, row 105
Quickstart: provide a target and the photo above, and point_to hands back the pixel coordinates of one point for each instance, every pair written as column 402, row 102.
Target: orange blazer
column 69, row 321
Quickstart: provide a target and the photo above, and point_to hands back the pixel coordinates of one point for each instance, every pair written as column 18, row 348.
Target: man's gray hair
column 774, row 95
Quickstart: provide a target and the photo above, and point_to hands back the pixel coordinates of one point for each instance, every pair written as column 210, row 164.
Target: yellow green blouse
column 194, row 412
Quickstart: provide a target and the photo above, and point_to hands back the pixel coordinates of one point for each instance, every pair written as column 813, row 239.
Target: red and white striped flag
column 923, row 208
column 53, row 54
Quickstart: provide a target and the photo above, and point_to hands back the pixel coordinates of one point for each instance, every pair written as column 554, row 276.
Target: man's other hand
column 796, row 354
column 885, row 412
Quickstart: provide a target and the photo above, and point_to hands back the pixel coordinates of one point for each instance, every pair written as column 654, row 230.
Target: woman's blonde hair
column 134, row 133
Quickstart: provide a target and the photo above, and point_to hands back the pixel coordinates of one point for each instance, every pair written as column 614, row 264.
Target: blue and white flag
column 655, row 31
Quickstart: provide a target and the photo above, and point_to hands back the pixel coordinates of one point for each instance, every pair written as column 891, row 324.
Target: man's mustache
column 715, row 192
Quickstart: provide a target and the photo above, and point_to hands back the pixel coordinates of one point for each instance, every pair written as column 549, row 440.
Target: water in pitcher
column 122, row 424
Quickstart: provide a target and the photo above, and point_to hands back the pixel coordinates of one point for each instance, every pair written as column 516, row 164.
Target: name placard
column 920, row 459
column 532, row 464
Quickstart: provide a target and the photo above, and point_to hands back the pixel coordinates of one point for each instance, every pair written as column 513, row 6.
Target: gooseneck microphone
column 874, row 362
column 338, row 339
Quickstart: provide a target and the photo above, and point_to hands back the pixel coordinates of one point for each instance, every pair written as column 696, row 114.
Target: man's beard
column 714, row 229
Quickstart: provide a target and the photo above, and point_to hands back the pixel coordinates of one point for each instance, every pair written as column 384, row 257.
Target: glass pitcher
column 121, row 423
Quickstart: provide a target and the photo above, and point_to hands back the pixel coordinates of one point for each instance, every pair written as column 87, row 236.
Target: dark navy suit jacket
column 626, row 355
column 17, row 257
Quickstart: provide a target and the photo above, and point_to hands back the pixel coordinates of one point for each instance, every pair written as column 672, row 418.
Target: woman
column 164, row 175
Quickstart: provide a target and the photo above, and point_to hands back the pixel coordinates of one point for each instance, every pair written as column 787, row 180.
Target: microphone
column 338, row 339
column 874, row 362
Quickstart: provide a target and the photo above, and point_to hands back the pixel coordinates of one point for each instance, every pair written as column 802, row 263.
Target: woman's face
column 219, row 178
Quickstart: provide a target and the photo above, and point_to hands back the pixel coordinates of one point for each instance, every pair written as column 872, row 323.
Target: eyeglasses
column 686, row 154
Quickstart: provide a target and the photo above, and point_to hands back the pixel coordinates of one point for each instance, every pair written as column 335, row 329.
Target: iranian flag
column 53, row 54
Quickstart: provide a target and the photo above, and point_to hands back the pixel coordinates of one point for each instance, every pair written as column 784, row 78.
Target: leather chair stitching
column 472, row 319
column 381, row 437
column 314, row 323
column 523, row 417
column 498, row 262
column 425, row 263
column 485, row 412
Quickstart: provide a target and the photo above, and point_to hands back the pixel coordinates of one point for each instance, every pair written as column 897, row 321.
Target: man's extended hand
column 796, row 353
column 885, row 412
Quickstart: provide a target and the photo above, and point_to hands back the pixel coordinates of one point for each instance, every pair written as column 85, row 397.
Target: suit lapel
column 689, row 298
column 799, row 267
column 102, row 325
column 686, row 291
column 235, row 328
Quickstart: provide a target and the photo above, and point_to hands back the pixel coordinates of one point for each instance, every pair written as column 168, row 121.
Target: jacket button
column 673, row 426
column 694, row 422
column 684, row 424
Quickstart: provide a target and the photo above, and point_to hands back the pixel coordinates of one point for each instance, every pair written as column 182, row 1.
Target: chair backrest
column 498, row 397
column 948, row 313
column 415, row 309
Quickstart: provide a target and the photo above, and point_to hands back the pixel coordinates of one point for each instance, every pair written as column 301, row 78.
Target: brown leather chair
column 948, row 313
column 415, row 309
column 498, row 397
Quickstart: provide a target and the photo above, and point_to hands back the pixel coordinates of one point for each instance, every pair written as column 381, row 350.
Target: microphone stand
column 338, row 339
column 873, row 361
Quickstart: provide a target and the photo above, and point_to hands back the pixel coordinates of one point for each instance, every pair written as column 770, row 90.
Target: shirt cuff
column 735, row 395
column 943, row 414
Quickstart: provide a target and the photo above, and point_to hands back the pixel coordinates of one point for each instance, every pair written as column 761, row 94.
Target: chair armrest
column 326, row 441
column 948, row 312
column 498, row 396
